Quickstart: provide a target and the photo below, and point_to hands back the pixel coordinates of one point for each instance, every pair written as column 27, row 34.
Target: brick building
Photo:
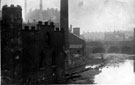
column 77, row 55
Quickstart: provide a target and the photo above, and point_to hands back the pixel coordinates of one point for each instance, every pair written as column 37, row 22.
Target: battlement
column 12, row 6
column 59, row 29
column 29, row 28
column 41, row 26
column 40, row 23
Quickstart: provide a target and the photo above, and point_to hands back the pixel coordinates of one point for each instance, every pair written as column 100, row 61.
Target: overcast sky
column 92, row 15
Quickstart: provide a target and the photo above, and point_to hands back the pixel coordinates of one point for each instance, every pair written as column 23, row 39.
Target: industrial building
column 39, row 51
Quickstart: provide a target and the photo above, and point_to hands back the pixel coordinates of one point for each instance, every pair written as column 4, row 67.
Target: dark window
column 33, row 27
column 26, row 27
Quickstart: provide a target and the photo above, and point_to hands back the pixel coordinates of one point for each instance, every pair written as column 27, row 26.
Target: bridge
column 125, row 47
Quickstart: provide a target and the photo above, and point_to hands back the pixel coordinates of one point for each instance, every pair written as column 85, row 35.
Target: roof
column 74, row 39
column 0, row 14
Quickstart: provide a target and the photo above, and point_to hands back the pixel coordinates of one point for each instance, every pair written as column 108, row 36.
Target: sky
column 92, row 15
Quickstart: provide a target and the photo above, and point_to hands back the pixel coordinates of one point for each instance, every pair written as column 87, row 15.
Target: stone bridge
column 126, row 47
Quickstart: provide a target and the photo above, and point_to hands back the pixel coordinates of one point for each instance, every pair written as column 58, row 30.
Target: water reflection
column 120, row 74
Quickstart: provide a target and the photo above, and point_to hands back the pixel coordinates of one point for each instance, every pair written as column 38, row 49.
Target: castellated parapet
column 40, row 26
column 12, row 6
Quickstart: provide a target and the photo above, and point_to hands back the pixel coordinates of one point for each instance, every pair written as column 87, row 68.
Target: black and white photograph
column 67, row 42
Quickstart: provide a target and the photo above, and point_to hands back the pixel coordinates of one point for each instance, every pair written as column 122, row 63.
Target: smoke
column 103, row 15
column 81, row 3
column 92, row 15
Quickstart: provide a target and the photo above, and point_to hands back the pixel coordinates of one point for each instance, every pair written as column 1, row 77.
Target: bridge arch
column 98, row 50
column 114, row 49
column 127, row 49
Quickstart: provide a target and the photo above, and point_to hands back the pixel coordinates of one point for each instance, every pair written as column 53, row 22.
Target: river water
column 119, row 74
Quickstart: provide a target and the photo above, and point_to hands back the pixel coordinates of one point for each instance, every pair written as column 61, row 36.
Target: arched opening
column 114, row 49
column 98, row 50
column 127, row 50
column 134, row 50
column 41, row 59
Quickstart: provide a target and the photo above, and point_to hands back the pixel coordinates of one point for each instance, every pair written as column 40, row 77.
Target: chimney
column 134, row 34
column 134, row 47
column 70, row 28
column 25, row 11
column 64, row 20
column 76, row 31
column 0, row 4
column 134, row 50
column 41, row 6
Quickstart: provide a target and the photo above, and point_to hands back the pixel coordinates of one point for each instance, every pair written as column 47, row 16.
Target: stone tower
column 11, row 21
column 10, row 37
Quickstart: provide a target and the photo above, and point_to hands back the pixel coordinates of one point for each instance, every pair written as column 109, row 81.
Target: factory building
column 38, row 51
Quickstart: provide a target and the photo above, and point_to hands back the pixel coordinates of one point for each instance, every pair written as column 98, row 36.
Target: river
column 118, row 69
column 117, row 74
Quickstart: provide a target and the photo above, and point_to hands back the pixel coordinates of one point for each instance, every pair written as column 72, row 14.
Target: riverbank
column 97, row 66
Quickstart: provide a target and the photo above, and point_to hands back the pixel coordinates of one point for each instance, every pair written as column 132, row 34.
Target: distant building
column 76, row 31
column 109, row 36
column 94, row 36
column 43, row 15
column 114, row 36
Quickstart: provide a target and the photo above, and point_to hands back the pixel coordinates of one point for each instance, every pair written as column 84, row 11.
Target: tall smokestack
column 134, row 43
column 25, row 5
column 64, row 20
column 41, row 6
column 134, row 50
column 0, row 4
column 134, row 34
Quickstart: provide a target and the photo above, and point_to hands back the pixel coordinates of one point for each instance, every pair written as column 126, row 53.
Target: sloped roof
column 0, row 14
column 74, row 39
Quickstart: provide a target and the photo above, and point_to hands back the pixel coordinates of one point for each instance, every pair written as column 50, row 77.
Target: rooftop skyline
column 91, row 15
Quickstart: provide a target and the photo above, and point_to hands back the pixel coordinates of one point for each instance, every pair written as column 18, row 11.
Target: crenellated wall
column 43, row 45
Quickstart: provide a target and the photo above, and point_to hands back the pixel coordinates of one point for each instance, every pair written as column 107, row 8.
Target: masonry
column 42, row 48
